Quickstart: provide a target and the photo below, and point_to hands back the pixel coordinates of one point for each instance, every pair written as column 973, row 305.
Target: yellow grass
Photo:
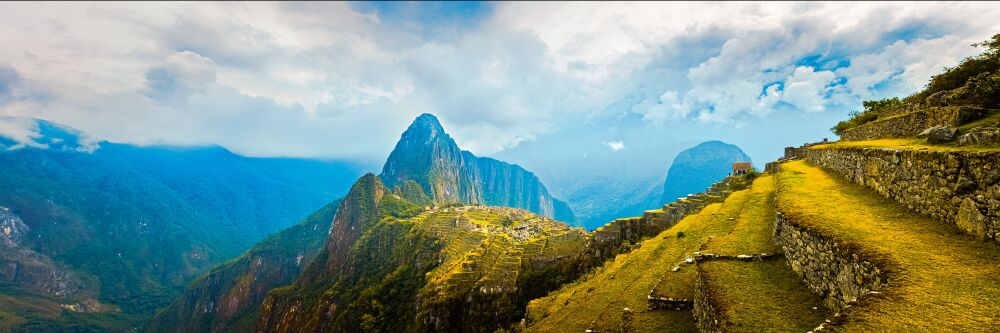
column 627, row 280
column 757, row 296
column 943, row 281
column 906, row 143
column 754, row 224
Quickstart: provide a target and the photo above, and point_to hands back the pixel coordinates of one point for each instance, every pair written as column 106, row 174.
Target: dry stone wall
column 620, row 235
column 904, row 125
column 706, row 312
column 959, row 187
column 901, row 125
column 835, row 272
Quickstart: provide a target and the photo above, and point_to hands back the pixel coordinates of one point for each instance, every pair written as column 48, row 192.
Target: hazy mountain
column 125, row 228
column 697, row 167
column 229, row 297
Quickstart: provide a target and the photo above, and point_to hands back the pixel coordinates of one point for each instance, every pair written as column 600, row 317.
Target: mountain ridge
column 428, row 155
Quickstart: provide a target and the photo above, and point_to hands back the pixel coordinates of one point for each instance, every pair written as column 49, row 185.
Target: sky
column 546, row 85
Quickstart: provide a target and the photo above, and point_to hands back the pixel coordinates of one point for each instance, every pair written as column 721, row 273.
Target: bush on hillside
column 977, row 77
column 871, row 112
column 956, row 77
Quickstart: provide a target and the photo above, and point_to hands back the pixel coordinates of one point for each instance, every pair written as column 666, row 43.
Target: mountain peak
column 426, row 127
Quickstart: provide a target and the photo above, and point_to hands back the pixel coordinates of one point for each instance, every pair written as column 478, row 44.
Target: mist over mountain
column 133, row 225
column 697, row 167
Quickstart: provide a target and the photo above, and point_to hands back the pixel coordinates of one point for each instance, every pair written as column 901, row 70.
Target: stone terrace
column 889, row 269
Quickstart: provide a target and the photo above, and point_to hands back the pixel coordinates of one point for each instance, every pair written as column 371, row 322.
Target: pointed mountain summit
column 428, row 159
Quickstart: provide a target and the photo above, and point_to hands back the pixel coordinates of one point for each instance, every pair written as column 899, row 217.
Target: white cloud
column 181, row 75
column 23, row 131
column 806, row 89
column 308, row 79
column 615, row 145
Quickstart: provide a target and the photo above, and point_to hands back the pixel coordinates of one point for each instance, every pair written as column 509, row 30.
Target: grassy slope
column 757, row 296
column 907, row 143
column 626, row 281
column 943, row 281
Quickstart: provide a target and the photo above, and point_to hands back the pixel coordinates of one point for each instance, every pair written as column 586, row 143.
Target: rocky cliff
column 427, row 155
column 228, row 298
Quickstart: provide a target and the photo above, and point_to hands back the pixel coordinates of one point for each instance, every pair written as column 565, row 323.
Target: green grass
column 762, row 296
column 940, row 279
column 598, row 300
column 754, row 224
column 991, row 119
column 906, row 143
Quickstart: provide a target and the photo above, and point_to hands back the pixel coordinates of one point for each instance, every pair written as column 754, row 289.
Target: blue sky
column 566, row 89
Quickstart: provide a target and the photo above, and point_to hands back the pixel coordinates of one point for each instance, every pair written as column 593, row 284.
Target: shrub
column 871, row 112
column 956, row 77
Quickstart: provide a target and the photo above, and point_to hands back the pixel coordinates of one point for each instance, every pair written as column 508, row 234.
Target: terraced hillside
column 892, row 269
column 652, row 288
column 744, row 283
column 465, row 268
column 493, row 258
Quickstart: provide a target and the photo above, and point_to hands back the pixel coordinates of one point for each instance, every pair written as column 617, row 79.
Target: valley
column 499, row 167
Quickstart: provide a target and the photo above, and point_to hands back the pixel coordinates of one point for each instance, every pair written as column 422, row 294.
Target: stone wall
column 838, row 274
column 706, row 312
column 959, row 187
column 902, row 125
column 904, row 109
column 620, row 235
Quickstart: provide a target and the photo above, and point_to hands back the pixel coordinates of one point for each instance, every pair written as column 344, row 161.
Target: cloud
column 806, row 89
column 181, row 75
column 11, row 84
column 22, row 131
column 343, row 80
column 615, row 145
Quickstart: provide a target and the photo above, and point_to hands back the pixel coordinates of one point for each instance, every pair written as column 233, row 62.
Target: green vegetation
column 974, row 81
column 754, row 225
column 764, row 296
column 972, row 68
column 939, row 278
column 469, row 268
column 906, row 143
column 757, row 296
column 872, row 110
column 597, row 301
column 24, row 312
column 990, row 119
column 228, row 297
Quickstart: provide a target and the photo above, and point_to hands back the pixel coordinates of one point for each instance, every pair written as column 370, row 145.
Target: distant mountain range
column 112, row 232
column 425, row 169
column 691, row 171
column 98, row 235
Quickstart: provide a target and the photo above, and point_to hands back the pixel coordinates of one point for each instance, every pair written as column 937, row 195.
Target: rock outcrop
column 429, row 156
column 28, row 270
